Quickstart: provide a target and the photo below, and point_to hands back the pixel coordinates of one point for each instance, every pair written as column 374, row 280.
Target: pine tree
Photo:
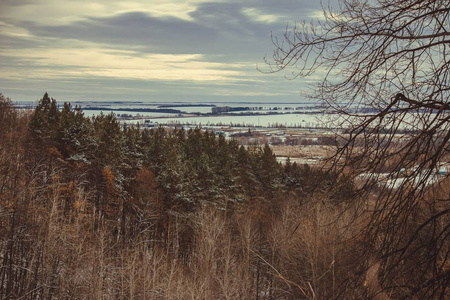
column 44, row 122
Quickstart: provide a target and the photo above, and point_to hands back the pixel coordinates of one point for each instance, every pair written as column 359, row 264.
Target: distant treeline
column 139, row 110
column 186, row 105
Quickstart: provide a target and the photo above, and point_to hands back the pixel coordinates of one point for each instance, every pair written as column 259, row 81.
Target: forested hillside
column 91, row 209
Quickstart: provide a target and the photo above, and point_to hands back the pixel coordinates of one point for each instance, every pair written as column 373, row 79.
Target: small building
column 150, row 124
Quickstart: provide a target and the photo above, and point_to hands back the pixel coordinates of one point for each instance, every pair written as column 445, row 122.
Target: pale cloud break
column 144, row 50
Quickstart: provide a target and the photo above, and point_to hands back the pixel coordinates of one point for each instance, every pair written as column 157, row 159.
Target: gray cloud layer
column 222, row 32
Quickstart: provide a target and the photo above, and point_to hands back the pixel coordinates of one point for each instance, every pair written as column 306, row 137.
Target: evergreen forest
column 93, row 209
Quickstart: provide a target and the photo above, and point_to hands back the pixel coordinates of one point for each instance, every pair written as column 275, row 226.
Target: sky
column 153, row 50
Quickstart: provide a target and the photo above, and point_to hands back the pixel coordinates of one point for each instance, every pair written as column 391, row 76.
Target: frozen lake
column 288, row 120
column 91, row 113
column 242, row 114
column 200, row 114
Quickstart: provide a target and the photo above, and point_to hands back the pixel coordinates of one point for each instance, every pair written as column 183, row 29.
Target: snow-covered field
column 262, row 114
column 288, row 120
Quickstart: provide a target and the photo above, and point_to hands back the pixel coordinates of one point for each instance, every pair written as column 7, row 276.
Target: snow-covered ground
column 289, row 120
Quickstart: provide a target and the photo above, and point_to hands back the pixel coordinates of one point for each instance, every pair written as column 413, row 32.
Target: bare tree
column 383, row 70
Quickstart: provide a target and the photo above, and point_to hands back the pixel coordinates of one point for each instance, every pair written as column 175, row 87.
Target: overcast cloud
column 157, row 50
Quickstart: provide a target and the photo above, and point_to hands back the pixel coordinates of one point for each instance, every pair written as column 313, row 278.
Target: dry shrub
column 279, row 249
column 314, row 250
